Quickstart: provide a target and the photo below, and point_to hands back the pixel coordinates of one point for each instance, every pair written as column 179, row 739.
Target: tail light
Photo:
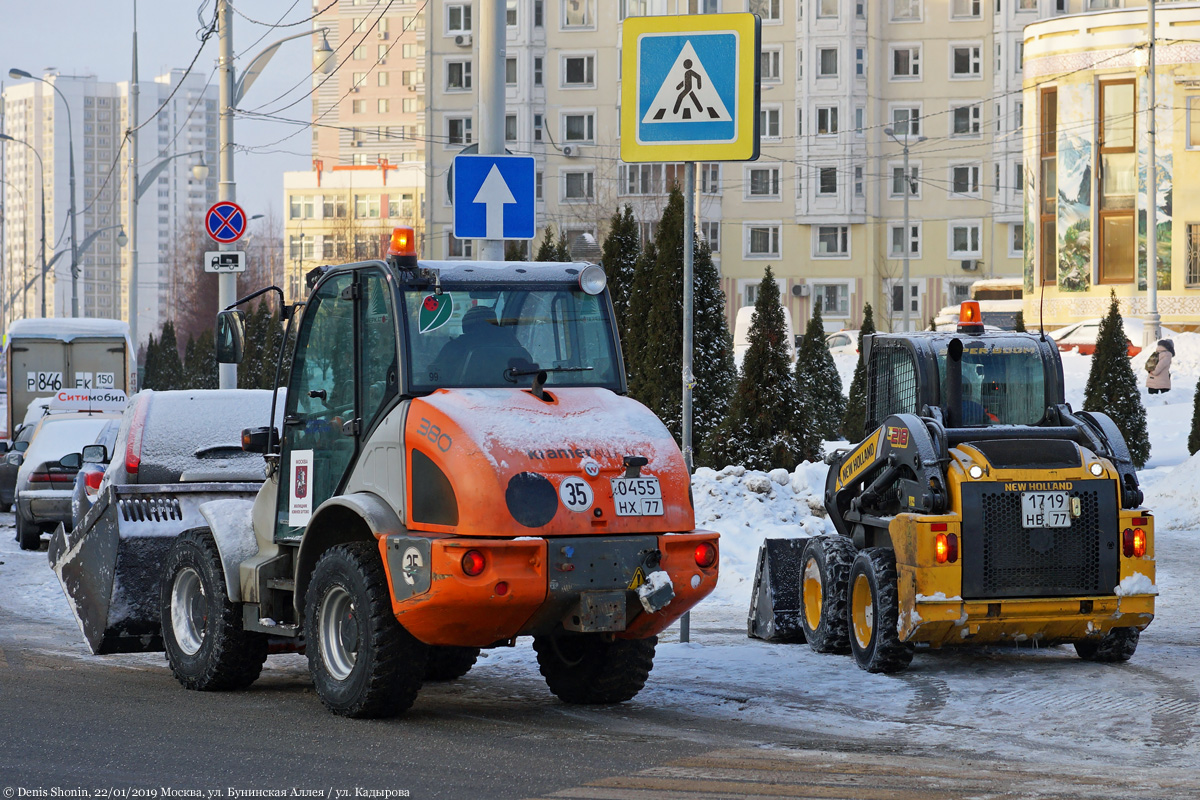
column 706, row 555
column 52, row 477
column 945, row 548
column 472, row 563
column 92, row 479
column 133, row 442
column 1133, row 543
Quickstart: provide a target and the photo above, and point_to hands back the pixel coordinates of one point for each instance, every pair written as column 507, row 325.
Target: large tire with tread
column 29, row 535
column 585, row 669
column 450, row 663
column 362, row 661
column 1113, row 647
column 874, row 611
column 824, row 589
column 207, row 648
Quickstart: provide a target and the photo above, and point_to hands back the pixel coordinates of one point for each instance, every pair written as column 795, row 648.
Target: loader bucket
column 109, row 566
column 775, row 601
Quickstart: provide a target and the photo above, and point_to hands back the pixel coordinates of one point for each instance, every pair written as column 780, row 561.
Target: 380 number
column 433, row 433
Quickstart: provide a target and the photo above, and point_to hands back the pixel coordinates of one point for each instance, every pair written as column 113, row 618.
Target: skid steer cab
column 457, row 466
column 980, row 509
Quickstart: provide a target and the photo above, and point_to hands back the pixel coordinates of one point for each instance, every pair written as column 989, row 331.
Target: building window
column 538, row 181
column 799, row 63
column 762, row 240
column 710, row 178
column 578, row 186
column 906, row 121
column 898, row 298
column 1118, row 181
column 366, row 206
column 965, row 121
column 827, row 182
column 1019, row 57
column 1193, row 254
column 906, row 62
column 964, row 180
column 510, row 128
column 858, row 181
column 827, row 62
column 769, row 10
column 906, row 10
column 965, row 61
column 964, row 239
column 899, row 241
column 828, row 8
column 768, row 124
column 576, row 13
column 458, row 76
column 458, row 131
column 579, row 71
column 579, row 128
column 965, row 9
column 510, row 72
column 1193, row 122
column 539, row 13
column 1018, row 178
column 860, row 117
column 537, row 127
column 833, row 240
column 510, row 14
column 711, row 231
column 1048, row 203
column 834, row 299
column 537, row 71
column 458, row 18
column 1016, row 240
column 827, row 121
column 769, row 65
column 1019, row 114
column 860, row 61
column 358, row 107
column 898, row 181
column 458, row 248
column 763, row 182
column 333, row 207
column 1027, row 5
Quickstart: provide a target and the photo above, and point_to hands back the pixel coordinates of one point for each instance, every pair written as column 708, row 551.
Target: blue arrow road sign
column 494, row 197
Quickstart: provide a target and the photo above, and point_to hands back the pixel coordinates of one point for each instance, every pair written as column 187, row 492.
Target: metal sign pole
column 689, row 232
column 492, row 51
column 226, row 188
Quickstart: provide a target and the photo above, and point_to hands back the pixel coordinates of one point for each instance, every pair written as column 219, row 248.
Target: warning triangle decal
column 687, row 95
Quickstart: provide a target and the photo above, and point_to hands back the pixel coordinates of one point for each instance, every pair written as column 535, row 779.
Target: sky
column 89, row 37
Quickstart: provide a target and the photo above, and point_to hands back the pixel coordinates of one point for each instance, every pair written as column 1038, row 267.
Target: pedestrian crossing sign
column 690, row 88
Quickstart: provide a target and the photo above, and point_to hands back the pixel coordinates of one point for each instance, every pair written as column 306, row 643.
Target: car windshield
column 1003, row 382
column 501, row 336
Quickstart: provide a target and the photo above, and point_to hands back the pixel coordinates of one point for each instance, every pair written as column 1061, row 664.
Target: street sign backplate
column 225, row 261
column 691, row 88
column 225, row 221
column 494, row 197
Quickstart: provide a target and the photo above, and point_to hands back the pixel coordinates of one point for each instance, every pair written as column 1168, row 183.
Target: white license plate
column 637, row 497
column 1045, row 510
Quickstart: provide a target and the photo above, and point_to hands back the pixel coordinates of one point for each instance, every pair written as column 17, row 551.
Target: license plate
column 637, row 497
column 1045, row 510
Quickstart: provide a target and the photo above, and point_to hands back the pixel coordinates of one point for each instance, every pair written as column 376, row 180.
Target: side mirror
column 231, row 337
column 259, row 440
column 71, row 461
column 21, row 447
column 95, row 454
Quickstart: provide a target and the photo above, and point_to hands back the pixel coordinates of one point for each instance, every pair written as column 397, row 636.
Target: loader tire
column 874, row 611
column 824, row 592
column 1113, row 647
column 362, row 661
column 29, row 535
column 585, row 669
column 206, row 646
column 450, row 663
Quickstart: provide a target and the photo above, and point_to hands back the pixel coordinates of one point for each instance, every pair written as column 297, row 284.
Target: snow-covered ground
column 1009, row 704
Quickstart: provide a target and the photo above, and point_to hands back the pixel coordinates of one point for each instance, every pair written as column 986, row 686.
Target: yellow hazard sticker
column 639, row 578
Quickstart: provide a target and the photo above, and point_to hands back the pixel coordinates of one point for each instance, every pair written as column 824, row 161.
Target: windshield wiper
column 511, row 374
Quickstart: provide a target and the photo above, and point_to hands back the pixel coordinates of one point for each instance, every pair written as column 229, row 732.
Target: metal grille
column 1018, row 453
column 892, row 376
column 149, row 509
column 1193, row 254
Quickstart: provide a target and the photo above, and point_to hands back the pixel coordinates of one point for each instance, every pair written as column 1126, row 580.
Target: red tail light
column 52, row 477
column 472, row 563
column 133, row 443
column 92, row 479
column 706, row 555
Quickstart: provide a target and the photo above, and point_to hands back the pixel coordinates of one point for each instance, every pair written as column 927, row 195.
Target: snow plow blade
column 109, row 565
column 775, row 602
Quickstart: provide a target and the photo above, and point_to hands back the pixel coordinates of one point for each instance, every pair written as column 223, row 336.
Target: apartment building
column 181, row 135
column 368, row 139
column 823, row 204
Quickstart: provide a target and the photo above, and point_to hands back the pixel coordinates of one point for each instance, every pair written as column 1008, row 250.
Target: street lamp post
column 17, row 74
column 904, row 241
column 4, row 137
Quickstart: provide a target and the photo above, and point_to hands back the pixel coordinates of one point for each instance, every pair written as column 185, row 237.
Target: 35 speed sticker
column 575, row 494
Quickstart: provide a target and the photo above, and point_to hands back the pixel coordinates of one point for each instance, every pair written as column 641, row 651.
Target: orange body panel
column 678, row 560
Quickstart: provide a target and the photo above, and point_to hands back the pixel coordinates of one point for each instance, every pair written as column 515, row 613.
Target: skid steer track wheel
column 363, row 663
column 1113, row 647
column 585, row 669
column 450, row 663
column 824, row 585
column 874, row 610
column 207, row 649
column 29, row 535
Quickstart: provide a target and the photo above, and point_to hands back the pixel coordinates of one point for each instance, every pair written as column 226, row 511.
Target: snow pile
column 1137, row 583
column 746, row 506
column 1173, row 494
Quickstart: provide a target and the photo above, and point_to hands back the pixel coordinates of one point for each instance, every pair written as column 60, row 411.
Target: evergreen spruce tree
column 204, row 366
column 653, row 333
column 547, row 250
column 562, row 250
column 818, row 379
column 1019, row 322
column 150, row 369
column 768, row 426
column 190, row 371
column 620, row 256
column 170, row 367
column 1113, row 388
column 855, row 420
column 516, row 251
column 1194, row 436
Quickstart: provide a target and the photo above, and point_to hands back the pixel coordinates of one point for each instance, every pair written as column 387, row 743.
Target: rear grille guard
column 152, row 508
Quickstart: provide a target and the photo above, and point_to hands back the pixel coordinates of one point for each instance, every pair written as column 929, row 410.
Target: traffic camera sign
column 694, row 92
column 494, row 197
column 225, row 221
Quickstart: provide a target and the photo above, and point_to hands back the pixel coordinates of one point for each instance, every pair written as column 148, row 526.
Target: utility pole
column 133, row 195
column 226, row 188
column 1152, row 328
column 492, row 52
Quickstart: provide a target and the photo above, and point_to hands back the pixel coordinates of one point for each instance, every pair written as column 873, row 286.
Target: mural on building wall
column 1163, row 147
column 1074, row 187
